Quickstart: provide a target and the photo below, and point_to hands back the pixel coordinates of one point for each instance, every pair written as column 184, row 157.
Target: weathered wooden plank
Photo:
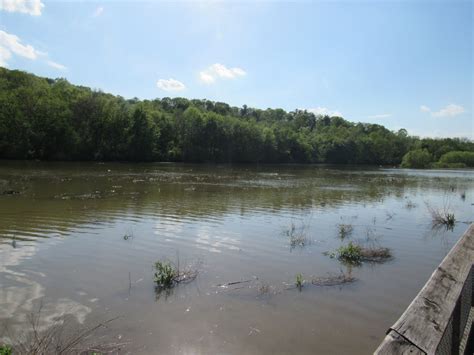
column 426, row 319
column 395, row 344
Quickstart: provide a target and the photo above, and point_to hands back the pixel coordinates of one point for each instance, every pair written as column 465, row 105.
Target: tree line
column 51, row 119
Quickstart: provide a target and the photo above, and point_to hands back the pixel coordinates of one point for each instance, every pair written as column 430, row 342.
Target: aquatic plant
column 264, row 288
column 298, row 235
column 168, row 275
column 5, row 350
column 355, row 254
column 345, row 230
column 351, row 253
column 165, row 274
column 442, row 216
column 410, row 204
column 299, row 281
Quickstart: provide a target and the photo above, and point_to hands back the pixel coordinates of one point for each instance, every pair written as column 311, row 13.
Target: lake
column 78, row 241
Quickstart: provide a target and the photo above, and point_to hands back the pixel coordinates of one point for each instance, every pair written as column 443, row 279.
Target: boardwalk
column 440, row 318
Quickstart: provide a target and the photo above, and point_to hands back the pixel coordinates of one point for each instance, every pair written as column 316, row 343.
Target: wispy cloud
column 11, row 44
column 170, row 85
column 450, row 110
column 30, row 7
column 324, row 111
column 98, row 11
column 381, row 115
column 220, row 71
column 56, row 65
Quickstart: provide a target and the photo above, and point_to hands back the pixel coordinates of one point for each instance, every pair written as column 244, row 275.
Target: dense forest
column 51, row 119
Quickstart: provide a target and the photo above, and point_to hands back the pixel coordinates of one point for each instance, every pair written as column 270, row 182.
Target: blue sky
column 403, row 64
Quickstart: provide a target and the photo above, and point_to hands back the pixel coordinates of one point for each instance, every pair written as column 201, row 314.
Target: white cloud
column 381, row 115
column 99, row 11
column 56, row 65
column 424, row 108
column 30, row 7
column 170, row 85
column 450, row 110
column 4, row 56
column 324, row 111
column 206, row 78
column 12, row 44
column 220, row 71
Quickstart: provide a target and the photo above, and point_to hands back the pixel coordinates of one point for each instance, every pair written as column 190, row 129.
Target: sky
column 402, row 64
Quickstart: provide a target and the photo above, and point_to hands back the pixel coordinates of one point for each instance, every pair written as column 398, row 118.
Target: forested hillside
column 51, row 119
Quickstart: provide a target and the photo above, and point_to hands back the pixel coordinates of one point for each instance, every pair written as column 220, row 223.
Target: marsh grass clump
column 442, row 217
column 168, row 275
column 299, row 282
column 345, row 230
column 355, row 254
column 351, row 253
column 165, row 274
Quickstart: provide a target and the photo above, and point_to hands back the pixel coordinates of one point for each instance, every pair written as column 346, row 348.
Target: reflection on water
column 81, row 239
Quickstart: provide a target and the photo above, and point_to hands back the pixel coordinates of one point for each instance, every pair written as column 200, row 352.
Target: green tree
column 418, row 159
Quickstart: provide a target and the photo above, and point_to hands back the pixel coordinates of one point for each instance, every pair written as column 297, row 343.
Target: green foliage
column 351, row 253
column 6, row 350
column 458, row 158
column 299, row 281
column 165, row 274
column 418, row 159
column 51, row 119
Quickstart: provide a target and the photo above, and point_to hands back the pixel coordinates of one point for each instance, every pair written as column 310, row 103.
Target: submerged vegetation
column 333, row 280
column 298, row 235
column 51, row 119
column 345, row 230
column 62, row 337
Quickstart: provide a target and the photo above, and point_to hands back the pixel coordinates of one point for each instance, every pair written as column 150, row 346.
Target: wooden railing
column 439, row 320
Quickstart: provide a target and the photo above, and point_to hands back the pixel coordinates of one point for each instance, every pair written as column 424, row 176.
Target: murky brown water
column 62, row 246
